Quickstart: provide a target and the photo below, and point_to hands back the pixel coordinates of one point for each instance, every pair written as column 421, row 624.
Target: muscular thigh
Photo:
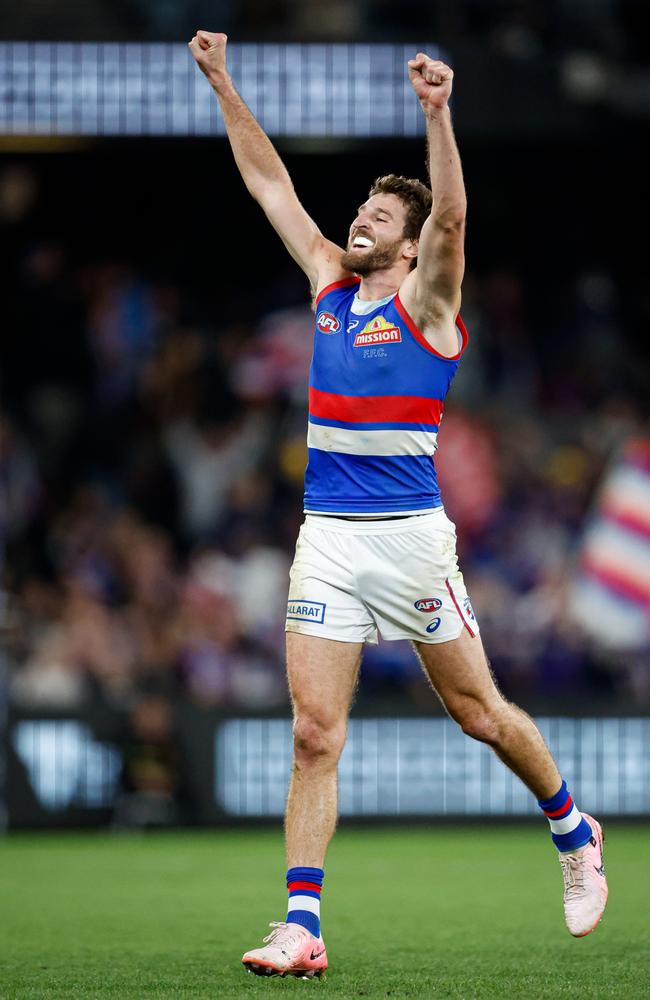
column 459, row 672
column 322, row 676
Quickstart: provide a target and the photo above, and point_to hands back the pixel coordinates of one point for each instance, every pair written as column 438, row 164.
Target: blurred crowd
column 151, row 482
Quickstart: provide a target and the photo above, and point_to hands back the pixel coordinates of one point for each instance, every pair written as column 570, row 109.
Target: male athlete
column 376, row 552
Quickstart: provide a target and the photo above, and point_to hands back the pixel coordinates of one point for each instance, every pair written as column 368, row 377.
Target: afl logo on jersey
column 328, row 323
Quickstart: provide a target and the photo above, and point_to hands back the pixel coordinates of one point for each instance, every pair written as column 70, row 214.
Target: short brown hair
column 415, row 195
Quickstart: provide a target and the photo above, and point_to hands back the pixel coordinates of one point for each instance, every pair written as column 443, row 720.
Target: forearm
column 445, row 170
column 258, row 162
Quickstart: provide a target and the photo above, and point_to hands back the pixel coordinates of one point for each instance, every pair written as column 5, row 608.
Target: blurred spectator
column 208, row 457
column 123, row 321
column 150, row 769
column 20, row 486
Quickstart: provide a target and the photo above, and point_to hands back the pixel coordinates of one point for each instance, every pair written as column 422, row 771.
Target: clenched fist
column 431, row 81
column 209, row 50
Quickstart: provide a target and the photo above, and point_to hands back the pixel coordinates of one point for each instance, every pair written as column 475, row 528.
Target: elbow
column 271, row 195
column 452, row 218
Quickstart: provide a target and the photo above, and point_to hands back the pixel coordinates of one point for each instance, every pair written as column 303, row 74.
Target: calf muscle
column 461, row 677
column 322, row 677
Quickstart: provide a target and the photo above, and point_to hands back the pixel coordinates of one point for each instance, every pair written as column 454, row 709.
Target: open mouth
column 361, row 243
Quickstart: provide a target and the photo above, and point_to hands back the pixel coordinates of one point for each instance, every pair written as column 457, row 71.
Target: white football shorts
column 353, row 579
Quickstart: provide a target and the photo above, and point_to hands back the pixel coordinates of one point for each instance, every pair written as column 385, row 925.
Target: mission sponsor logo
column 327, row 322
column 378, row 331
column 428, row 604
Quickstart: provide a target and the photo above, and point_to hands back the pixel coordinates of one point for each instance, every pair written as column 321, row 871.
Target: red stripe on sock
column 558, row 812
column 311, row 886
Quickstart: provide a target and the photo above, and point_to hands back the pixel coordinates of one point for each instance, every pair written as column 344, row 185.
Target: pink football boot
column 289, row 950
column 585, row 885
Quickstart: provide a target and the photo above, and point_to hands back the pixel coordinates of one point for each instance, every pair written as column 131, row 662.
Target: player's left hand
column 431, row 81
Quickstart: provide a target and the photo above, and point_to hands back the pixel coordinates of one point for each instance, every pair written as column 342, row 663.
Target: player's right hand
column 209, row 50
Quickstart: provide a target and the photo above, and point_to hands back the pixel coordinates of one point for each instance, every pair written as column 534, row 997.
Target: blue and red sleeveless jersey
column 376, row 395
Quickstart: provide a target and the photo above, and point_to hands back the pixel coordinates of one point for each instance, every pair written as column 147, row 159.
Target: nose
column 360, row 221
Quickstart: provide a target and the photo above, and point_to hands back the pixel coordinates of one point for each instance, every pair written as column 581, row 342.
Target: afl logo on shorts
column 428, row 604
column 328, row 323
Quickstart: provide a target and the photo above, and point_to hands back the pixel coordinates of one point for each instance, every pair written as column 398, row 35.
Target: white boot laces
column 282, row 934
column 573, row 871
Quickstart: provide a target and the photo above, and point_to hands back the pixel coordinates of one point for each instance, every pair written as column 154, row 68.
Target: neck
column 379, row 284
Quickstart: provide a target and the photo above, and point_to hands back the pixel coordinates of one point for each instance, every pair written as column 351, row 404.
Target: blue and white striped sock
column 304, row 885
column 569, row 828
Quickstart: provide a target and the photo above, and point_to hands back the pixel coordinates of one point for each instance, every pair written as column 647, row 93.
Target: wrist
column 434, row 112
column 220, row 81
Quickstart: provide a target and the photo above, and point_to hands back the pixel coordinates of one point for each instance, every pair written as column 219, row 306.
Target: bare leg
column 460, row 675
column 322, row 677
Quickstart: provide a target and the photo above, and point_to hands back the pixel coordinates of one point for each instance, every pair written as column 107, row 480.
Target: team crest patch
column 378, row 331
column 467, row 607
column 306, row 611
column 428, row 604
column 327, row 322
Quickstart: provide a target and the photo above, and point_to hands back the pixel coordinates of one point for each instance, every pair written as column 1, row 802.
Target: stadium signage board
column 156, row 89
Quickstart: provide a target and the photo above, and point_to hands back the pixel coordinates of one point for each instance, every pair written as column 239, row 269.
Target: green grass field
column 406, row 913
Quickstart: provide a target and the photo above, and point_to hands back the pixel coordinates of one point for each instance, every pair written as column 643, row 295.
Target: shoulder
column 438, row 324
column 327, row 267
column 344, row 283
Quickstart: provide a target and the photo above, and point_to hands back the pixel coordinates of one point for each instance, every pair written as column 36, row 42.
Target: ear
column 411, row 249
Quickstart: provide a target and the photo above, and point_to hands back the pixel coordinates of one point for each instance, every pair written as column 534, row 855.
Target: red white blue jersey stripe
column 376, row 396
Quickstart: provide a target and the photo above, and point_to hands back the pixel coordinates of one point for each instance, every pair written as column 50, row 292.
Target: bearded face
column 376, row 240
column 363, row 258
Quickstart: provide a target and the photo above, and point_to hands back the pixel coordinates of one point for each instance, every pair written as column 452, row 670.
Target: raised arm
column 262, row 170
column 434, row 287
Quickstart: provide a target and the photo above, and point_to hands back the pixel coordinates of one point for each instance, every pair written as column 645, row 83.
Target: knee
column 484, row 723
column 317, row 741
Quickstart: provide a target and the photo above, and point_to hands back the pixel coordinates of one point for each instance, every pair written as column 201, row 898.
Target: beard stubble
column 377, row 258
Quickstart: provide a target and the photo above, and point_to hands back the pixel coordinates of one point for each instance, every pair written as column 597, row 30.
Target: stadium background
column 155, row 344
column 156, row 341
